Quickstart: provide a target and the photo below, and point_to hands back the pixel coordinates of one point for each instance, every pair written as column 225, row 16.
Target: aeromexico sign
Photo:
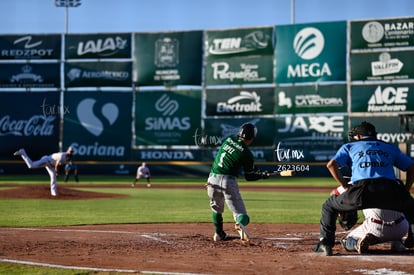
column 311, row 52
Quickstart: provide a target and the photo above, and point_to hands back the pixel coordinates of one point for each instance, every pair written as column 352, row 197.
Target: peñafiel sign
column 382, row 33
column 44, row 46
column 311, row 52
column 311, row 99
column 246, row 101
column 383, row 98
column 30, row 121
column 29, row 75
column 239, row 56
column 167, row 118
column 98, row 125
column 101, row 74
column 382, row 65
column 97, row 46
column 168, row 59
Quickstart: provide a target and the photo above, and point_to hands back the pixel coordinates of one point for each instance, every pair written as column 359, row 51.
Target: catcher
column 379, row 226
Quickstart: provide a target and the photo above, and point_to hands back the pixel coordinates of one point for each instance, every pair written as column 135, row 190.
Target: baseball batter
column 222, row 186
column 143, row 172
column 379, row 226
column 50, row 162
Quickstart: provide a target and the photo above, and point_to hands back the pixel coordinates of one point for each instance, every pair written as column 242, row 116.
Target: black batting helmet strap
column 247, row 131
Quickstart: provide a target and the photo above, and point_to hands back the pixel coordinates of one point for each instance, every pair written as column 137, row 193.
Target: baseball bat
column 284, row 173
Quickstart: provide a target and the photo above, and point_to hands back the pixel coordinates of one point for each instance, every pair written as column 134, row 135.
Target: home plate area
column 188, row 248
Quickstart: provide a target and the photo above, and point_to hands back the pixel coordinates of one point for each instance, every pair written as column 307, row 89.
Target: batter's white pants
column 45, row 161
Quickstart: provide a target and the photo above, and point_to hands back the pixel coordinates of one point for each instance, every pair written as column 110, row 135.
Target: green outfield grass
column 155, row 205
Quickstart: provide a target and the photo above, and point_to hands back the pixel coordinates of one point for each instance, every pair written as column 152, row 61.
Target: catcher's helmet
column 364, row 129
column 247, row 131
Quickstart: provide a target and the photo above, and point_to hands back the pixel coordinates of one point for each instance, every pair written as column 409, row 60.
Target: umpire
column 375, row 185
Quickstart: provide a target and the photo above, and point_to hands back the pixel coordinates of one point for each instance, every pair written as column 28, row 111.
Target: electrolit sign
column 308, row 53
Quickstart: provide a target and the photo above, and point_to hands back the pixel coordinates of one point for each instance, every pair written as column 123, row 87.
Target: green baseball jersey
column 231, row 157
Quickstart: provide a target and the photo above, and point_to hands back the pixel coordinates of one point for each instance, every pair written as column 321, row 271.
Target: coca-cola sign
column 36, row 125
column 30, row 121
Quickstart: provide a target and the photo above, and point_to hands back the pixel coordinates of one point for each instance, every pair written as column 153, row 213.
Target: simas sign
column 98, row 46
column 382, row 98
column 167, row 118
column 30, row 47
column 309, row 53
column 240, row 102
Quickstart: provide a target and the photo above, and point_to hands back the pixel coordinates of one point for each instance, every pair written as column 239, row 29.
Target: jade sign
column 311, row 52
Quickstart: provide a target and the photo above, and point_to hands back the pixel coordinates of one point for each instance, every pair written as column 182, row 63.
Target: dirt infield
column 186, row 248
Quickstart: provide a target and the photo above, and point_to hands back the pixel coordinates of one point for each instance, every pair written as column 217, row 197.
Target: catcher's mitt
column 348, row 219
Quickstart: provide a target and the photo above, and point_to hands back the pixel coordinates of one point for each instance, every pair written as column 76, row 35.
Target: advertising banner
column 240, row 70
column 31, row 75
column 379, row 33
column 247, row 101
column 390, row 129
column 385, row 65
column 309, row 138
column 311, row 52
column 97, row 46
column 98, row 74
column 98, row 125
column 311, row 99
column 217, row 130
column 167, row 118
column 41, row 46
column 385, row 98
column 239, row 56
column 30, row 121
column 239, row 42
column 168, row 59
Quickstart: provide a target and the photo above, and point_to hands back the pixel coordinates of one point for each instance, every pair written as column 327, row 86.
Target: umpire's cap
column 247, row 131
column 365, row 129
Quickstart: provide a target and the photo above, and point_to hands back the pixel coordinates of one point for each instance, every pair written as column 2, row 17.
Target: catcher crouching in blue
column 375, row 185
column 222, row 186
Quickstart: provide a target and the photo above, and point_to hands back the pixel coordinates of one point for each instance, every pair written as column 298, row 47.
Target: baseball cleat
column 322, row 249
column 18, row 152
column 220, row 237
column 364, row 243
column 242, row 232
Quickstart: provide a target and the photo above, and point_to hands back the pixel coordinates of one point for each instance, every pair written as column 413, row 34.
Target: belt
column 397, row 221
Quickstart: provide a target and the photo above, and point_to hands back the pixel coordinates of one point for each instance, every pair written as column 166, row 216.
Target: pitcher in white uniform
column 50, row 162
